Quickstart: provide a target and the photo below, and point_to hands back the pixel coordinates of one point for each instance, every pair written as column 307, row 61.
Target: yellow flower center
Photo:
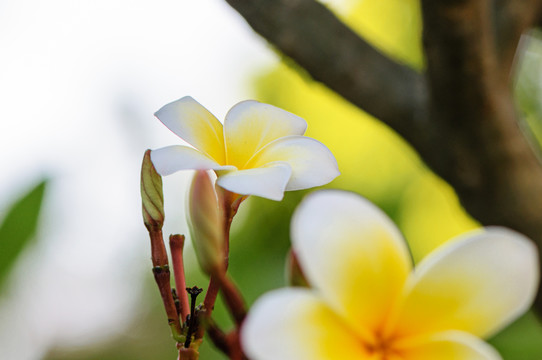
column 383, row 348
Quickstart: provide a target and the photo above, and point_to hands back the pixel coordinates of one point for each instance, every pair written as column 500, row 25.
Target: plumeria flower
column 260, row 150
column 367, row 302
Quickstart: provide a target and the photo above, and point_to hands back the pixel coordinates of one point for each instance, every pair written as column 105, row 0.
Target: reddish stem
column 218, row 337
column 158, row 249
column 234, row 345
column 162, row 277
column 233, row 299
column 229, row 343
column 176, row 244
column 210, row 296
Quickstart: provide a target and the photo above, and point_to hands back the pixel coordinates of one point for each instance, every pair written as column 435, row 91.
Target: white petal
column 173, row 158
column 293, row 324
column 477, row 283
column 312, row 163
column 196, row 125
column 268, row 182
column 250, row 125
column 450, row 345
column 353, row 254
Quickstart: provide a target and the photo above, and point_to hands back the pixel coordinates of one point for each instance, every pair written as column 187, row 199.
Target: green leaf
column 19, row 227
column 521, row 340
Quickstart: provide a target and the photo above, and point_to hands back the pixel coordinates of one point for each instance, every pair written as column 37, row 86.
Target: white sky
column 79, row 82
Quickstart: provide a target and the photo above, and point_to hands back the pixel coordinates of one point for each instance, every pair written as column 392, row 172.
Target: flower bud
column 151, row 195
column 206, row 227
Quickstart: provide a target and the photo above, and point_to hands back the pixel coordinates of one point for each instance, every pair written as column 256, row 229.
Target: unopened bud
column 206, row 227
column 294, row 273
column 152, row 196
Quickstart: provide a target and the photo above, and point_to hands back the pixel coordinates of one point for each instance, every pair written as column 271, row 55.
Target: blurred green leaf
column 19, row 226
column 522, row 340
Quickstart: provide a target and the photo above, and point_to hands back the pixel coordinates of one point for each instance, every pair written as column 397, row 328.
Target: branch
column 484, row 156
column 332, row 53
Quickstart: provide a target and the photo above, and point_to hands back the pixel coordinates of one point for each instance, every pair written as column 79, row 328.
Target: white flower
column 368, row 303
column 260, row 150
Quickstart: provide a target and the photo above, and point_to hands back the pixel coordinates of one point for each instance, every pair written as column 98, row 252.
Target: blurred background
column 79, row 82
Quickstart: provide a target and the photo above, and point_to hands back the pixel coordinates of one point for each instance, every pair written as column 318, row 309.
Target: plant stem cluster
column 189, row 321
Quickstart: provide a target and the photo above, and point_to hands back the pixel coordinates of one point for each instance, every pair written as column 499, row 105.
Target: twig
column 233, row 299
column 176, row 244
column 162, row 277
column 218, row 337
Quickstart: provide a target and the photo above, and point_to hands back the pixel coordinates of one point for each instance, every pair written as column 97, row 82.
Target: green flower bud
column 206, row 225
column 152, row 196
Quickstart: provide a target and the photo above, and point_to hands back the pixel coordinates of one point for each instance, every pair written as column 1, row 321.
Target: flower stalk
column 232, row 297
column 162, row 278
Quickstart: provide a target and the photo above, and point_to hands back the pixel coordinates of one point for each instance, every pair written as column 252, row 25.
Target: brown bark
column 484, row 154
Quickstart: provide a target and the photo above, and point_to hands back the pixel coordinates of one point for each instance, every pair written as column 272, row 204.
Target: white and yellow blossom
column 367, row 301
column 260, row 150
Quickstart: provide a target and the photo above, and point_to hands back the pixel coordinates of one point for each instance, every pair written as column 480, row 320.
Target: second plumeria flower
column 367, row 302
column 260, row 150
